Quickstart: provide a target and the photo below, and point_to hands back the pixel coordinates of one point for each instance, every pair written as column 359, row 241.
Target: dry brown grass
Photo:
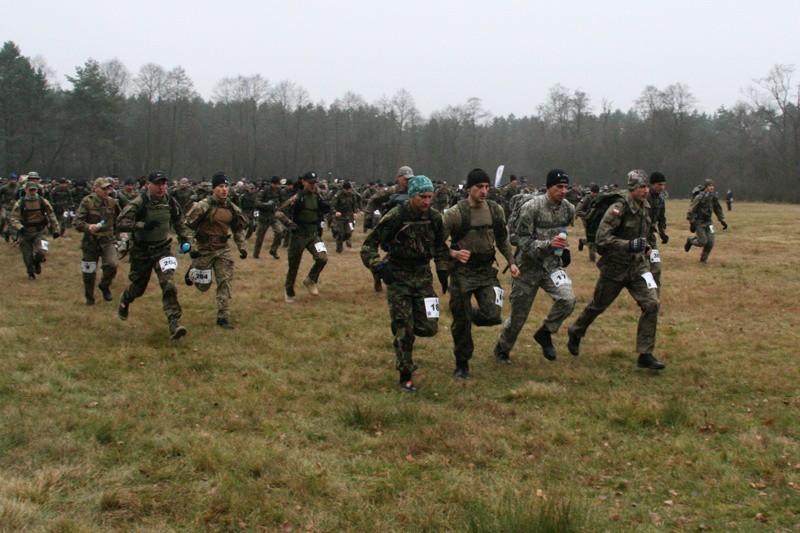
column 294, row 421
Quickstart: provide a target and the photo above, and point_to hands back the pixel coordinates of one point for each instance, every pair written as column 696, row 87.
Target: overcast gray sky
column 507, row 53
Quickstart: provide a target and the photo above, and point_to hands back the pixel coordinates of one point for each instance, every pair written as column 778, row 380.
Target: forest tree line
column 114, row 122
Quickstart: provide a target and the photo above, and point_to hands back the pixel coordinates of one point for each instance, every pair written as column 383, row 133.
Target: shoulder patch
column 615, row 210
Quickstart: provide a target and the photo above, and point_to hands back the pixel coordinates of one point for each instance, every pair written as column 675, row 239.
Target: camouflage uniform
column 658, row 217
column 94, row 210
column 413, row 238
column 8, row 197
column 267, row 204
column 30, row 218
column 540, row 221
column 441, row 198
column 61, row 200
column 699, row 216
column 149, row 246
column 348, row 203
column 308, row 208
column 183, row 194
column 477, row 277
column 580, row 212
column 213, row 221
column 619, row 268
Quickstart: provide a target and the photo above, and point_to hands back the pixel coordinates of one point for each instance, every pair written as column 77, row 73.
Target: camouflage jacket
column 19, row 217
column 93, row 210
column 377, row 200
column 540, row 221
column 624, row 221
column 411, row 237
column 210, row 231
column 702, row 206
column 658, row 216
column 346, row 203
column 132, row 219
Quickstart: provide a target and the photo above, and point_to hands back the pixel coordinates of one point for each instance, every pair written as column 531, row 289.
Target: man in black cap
column 149, row 217
column 213, row 219
column 476, row 227
column 542, row 256
column 345, row 205
column 658, row 218
column 30, row 216
column 307, row 211
column 622, row 243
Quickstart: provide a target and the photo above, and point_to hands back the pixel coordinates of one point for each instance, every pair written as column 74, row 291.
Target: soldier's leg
column 488, row 305
column 110, row 265
column 279, row 233
column 139, row 275
column 339, row 235
column 201, row 271
column 169, row 293
column 563, row 304
column 39, row 252
column 26, row 250
column 295, row 255
column 709, row 243
column 647, row 299
column 655, row 270
column 320, row 260
column 605, row 292
column 461, row 328
column 260, row 233
column 89, row 270
column 592, row 252
column 522, row 295
column 400, row 311
column 223, row 273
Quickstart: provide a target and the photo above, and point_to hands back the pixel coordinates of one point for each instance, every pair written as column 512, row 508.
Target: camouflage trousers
column 655, row 270
column 606, row 291
column 94, row 249
column 31, row 248
column 704, row 238
column 406, row 298
column 523, row 293
column 304, row 239
column 63, row 221
column 466, row 282
column 278, row 231
column 144, row 261
column 220, row 264
column 344, row 231
column 5, row 222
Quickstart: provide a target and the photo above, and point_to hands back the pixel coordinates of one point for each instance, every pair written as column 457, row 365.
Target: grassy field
column 294, row 422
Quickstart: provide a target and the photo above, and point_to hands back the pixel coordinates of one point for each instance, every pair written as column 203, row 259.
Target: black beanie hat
column 219, row 178
column 657, row 177
column 556, row 176
column 476, row 176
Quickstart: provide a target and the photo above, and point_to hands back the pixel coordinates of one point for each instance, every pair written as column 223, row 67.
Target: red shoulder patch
column 615, row 211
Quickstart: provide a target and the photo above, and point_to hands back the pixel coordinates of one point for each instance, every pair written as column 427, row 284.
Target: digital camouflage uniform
column 94, row 210
column 412, row 238
column 213, row 222
column 148, row 246
column 347, row 202
column 658, row 217
column 477, row 277
column 308, row 208
column 619, row 268
column 699, row 215
column 580, row 212
column 540, row 221
column 8, row 197
column 61, row 200
column 267, row 204
column 30, row 218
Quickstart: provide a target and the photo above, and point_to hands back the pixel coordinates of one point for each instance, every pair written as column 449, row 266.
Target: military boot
column 573, row 343
column 545, row 340
column 501, row 356
column 176, row 331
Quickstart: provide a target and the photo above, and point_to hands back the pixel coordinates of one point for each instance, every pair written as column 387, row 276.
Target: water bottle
column 100, row 224
column 185, row 247
column 559, row 251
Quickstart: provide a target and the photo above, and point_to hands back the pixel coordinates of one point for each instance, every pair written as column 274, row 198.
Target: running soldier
column 346, row 205
column 267, row 204
column 699, row 216
column 30, row 216
column 658, row 217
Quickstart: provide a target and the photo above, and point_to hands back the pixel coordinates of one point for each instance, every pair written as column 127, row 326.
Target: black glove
column 242, row 254
column 384, row 271
column 194, row 254
column 692, row 227
column 664, row 238
column 151, row 224
column 566, row 258
column 637, row 245
column 443, row 276
column 55, row 234
column 724, row 225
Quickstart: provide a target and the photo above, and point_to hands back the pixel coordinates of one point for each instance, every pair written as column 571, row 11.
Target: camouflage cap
column 708, row 182
column 636, row 179
column 31, row 185
column 33, row 175
column 102, row 183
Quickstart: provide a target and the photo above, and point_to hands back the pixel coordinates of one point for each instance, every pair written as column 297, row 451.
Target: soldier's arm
column 526, row 230
column 16, row 215
column 380, row 234
column 179, row 224
column 691, row 215
column 51, row 218
column 609, row 225
column 79, row 222
column 441, row 252
column 239, row 228
column 127, row 218
column 718, row 211
column 196, row 213
column 662, row 220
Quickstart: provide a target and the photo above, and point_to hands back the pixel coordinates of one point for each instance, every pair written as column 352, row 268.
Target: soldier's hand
column 724, row 225
column 242, row 254
column 637, row 245
column 462, row 256
column 443, row 276
column 692, row 227
column 384, row 271
column 664, row 238
column 558, row 242
column 55, row 234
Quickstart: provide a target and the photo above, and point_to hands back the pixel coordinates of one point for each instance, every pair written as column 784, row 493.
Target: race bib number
column 655, row 257
column 88, row 267
column 168, row 264
column 377, row 212
column 320, row 247
column 352, row 226
column 72, row 213
column 498, row 296
column 66, row 214
column 255, row 213
column 651, row 282
column 45, row 245
column 201, row 277
column 432, row 307
column 560, row 278
column 711, row 228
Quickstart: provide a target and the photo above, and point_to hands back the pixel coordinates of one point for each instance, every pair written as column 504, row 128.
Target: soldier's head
column 420, row 189
column 637, row 185
column 709, row 185
column 658, row 182
column 129, row 185
column 275, row 182
column 594, row 190
column 183, row 183
column 103, row 187
column 309, row 180
column 477, row 186
column 347, row 186
column 557, row 184
column 157, row 184
column 31, row 189
column 404, row 174
column 220, row 184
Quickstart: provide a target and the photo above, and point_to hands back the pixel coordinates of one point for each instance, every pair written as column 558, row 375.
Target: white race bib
column 432, row 307
column 651, row 282
column 560, row 278
column 45, row 245
column 201, row 277
column 168, row 264
column 711, row 228
column 66, row 214
column 88, row 267
column 377, row 212
column 72, row 213
column 352, row 226
column 655, row 257
column 498, row 296
column 320, row 247
column 255, row 213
